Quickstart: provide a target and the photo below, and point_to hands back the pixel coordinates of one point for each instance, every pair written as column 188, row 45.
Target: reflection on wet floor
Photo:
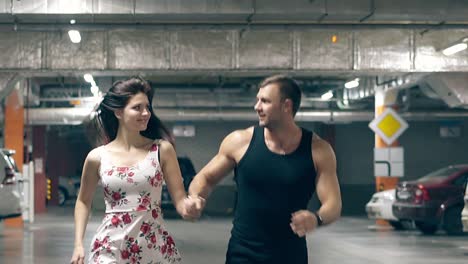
column 351, row 240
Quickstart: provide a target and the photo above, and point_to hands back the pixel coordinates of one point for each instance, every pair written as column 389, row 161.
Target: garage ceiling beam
column 235, row 11
column 265, row 50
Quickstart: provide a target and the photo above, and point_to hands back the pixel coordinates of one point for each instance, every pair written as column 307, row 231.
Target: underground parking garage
column 383, row 83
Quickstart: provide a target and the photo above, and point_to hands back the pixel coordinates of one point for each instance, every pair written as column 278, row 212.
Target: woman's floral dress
column 132, row 230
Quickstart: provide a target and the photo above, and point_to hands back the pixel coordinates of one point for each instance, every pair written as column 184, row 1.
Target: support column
column 13, row 136
column 382, row 101
column 39, row 158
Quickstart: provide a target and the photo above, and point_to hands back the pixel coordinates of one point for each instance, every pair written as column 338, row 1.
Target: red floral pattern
column 144, row 201
column 132, row 230
column 115, row 197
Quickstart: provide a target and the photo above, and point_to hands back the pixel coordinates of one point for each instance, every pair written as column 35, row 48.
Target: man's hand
column 303, row 222
column 193, row 207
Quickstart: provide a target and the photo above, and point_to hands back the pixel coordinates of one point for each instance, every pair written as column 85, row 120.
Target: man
column 278, row 166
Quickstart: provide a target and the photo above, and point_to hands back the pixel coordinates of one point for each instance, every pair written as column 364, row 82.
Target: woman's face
column 135, row 115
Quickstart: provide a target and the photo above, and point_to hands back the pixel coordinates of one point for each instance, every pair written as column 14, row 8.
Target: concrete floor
column 351, row 240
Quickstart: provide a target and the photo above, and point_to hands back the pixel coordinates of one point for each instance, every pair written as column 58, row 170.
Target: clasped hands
column 192, row 207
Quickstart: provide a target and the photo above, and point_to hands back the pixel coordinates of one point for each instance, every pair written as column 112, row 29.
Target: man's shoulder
column 320, row 147
column 242, row 134
column 318, row 141
column 239, row 137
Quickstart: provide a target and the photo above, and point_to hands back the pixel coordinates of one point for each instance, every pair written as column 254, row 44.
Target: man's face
column 269, row 105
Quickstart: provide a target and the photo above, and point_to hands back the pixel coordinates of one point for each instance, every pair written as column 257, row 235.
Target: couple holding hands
column 278, row 166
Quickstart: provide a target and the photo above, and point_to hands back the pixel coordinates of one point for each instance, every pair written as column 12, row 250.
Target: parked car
column 68, row 188
column 380, row 207
column 10, row 185
column 433, row 201
column 465, row 211
column 188, row 172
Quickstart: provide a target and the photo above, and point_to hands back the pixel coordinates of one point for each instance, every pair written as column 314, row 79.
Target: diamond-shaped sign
column 388, row 125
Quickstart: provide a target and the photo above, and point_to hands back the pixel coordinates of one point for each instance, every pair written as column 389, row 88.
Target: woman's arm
column 89, row 180
column 173, row 176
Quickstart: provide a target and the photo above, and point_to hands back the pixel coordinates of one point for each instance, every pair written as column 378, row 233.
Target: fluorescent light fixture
column 74, row 35
column 352, row 84
column 94, row 90
column 327, row 96
column 88, row 78
column 455, row 49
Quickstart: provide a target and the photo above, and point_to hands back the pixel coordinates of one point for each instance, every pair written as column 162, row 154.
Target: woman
column 131, row 168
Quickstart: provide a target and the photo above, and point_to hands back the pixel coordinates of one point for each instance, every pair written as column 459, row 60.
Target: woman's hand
column 78, row 255
column 193, row 207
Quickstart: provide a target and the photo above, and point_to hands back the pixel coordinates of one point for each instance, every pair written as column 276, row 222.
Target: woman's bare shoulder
column 94, row 156
column 164, row 145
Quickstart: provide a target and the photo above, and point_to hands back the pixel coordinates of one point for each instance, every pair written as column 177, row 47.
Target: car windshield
column 439, row 174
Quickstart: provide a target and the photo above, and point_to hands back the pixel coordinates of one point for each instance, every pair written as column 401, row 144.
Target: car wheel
column 62, row 196
column 452, row 221
column 397, row 225
column 426, row 228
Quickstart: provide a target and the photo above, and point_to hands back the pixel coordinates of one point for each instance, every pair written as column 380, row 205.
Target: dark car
column 188, row 172
column 433, row 201
column 69, row 188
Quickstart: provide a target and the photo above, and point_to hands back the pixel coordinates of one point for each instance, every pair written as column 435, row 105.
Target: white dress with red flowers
column 132, row 230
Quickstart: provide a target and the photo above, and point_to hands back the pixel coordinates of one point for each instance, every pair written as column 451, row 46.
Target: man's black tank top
column 270, row 188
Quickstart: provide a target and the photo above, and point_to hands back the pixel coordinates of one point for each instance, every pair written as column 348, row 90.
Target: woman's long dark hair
column 117, row 98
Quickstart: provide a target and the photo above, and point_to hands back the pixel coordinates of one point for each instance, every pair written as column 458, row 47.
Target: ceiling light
column 455, row 48
column 73, row 21
column 352, row 84
column 94, row 90
column 88, row 78
column 334, row 39
column 74, row 35
column 327, row 96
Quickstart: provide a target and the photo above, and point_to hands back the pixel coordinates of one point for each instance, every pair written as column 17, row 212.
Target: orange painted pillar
column 382, row 101
column 384, row 183
column 13, row 136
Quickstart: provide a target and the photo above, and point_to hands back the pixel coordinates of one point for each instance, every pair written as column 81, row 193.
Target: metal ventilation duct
column 75, row 116
column 451, row 87
column 56, row 116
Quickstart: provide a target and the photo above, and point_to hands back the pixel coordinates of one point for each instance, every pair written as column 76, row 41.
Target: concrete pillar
column 39, row 158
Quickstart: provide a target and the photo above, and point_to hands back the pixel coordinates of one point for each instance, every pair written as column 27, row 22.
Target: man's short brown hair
column 289, row 89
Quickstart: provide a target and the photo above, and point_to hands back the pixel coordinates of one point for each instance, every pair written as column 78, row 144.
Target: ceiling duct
column 76, row 116
column 451, row 87
column 56, row 116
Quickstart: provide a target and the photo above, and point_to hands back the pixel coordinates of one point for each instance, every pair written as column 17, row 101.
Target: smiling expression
column 270, row 107
column 136, row 114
